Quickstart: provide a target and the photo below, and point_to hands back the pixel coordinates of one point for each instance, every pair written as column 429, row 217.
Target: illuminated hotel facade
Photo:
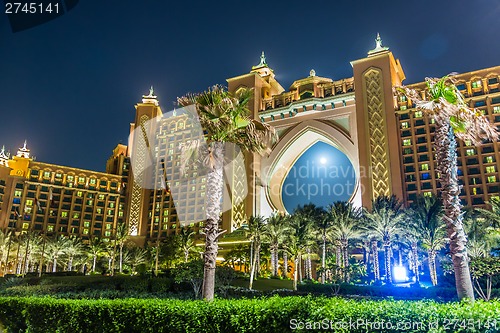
column 387, row 142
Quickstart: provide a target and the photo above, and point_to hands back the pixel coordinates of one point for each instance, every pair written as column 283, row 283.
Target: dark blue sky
column 69, row 86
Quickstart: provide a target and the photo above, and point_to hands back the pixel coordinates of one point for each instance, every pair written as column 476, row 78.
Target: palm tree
column 225, row 118
column 121, row 237
column 347, row 225
column 385, row 220
column 73, row 249
column 5, row 244
column 255, row 232
column 134, row 257
column 95, row 247
column 276, row 233
column 299, row 240
column 446, row 105
column 323, row 228
column 310, row 214
column 494, row 214
column 185, row 242
column 425, row 224
column 55, row 248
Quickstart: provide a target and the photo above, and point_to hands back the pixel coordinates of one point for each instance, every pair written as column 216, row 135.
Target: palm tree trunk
column 415, row 262
column 432, row 266
column 70, row 263
column 309, row 265
column 366, row 254
column 253, row 270
column 388, row 266
column 446, row 156
column 211, row 228
column 121, row 257
column 323, row 261
column 94, row 263
column 285, row 264
column 376, row 264
column 295, row 272
column 54, row 265
column 300, row 268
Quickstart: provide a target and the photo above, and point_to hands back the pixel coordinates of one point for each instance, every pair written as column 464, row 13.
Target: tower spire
column 23, row 152
column 4, row 157
column 378, row 46
column 262, row 62
column 151, row 98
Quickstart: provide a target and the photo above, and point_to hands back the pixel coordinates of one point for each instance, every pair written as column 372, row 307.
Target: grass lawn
column 264, row 284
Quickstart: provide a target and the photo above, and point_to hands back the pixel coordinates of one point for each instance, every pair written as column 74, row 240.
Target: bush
column 273, row 314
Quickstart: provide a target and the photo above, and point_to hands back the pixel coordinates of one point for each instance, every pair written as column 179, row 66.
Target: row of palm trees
column 343, row 229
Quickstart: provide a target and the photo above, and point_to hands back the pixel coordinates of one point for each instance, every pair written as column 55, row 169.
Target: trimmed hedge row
column 274, row 314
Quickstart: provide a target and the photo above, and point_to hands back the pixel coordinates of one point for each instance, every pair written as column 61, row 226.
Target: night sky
column 69, row 86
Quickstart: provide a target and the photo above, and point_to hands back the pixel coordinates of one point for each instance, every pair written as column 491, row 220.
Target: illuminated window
column 418, row 114
column 402, row 98
column 492, row 179
column 46, row 174
column 407, row 142
column 70, row 178
column 425, row 167
column 470, row 152
column 496, row 109
column 81, row 180
column 85, row 231
column 79, row 194
column 89, row 202
column 64, row 214
column 111, row 205
column 404, row 124
column 120, row 214
column 86, row 224
column 29, row 202
column 403, row 107
column 165, row 212
column 18, row 193
column 467, row 142
column 108, row 226
column 70, row 184
column 58, row 175
column 495, row 197
column 92, row 181
column 427, row 194
column 107, row 233
column 489, row 159
column 476, row 84
column 110, row 212
column 101, row 197
column 490, row 169
column 474, row 191
column 165, row 225
column 26, row 226
column 99, row 211
column 50, row 228
column 76, row 215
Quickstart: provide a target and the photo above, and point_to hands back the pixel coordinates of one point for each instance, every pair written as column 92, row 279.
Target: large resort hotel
column 359, row 139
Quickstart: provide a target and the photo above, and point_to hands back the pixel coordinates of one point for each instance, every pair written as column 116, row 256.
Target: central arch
column 291, row 147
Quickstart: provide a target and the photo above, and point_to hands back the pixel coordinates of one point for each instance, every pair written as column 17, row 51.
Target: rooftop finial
column 151, row 91
column 24, row 147
column 151, row 98
column 262, row 62
column 24, row 152
column 4, row 158
column 378, row 46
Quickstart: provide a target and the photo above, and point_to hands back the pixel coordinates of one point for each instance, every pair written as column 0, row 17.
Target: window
column 404, row 124
column 490, row 169
column 108, row 226
column 85, row 231
column 101, row 197
column 467, row 142
column 111, row 205
column 89, row 202
column 418, row 114
column 70, row 178
column 92, row 181
column 474, row 191
column 86, row 224
column 402, row 98
column 26, row 226
column 107, row 233
column 18, row 193
column 488, row 159
column 476, row 84
column 50, row 228
column 110, row 212
column 424, row 167
column 492, row 179
column 403, row 107
column 496, row 109
column 64, row 214
column 407, row 142
column 120, row 214
column 470, row 152
column 427, row 194
column 81, row 180
column 46, row 174
column 99, row 211
column 29, row 202
column 79, row 194
column 76, row 215
column 59, row 175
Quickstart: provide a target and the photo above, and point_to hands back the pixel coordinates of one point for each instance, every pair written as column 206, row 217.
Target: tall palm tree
column 385, row 220
column 134, row 257
column 255, row 233
column 185, row 242
column 5, row 244
column 299, row 240
column 323, row 228
column 96, row 247
column 275, row 233
column 55, row 248
column 493, row 214
column 310, row 214
column 73, row 249
column 121, row 237
column 425, row 223
column 225, row 118
column 453, row 117
column 347, row 225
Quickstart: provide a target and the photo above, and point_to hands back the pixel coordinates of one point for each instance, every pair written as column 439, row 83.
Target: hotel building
column 389, row 146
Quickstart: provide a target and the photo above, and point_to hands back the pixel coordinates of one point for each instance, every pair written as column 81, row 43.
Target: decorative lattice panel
column 379, row 158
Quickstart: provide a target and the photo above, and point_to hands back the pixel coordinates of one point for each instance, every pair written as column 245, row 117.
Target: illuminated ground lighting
column 323, row 160
column 400, row 274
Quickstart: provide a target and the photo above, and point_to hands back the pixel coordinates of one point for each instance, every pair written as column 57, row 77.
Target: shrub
column 275, row 314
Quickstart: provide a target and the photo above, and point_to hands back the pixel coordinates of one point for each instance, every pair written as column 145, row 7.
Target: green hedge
column 276, row 314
